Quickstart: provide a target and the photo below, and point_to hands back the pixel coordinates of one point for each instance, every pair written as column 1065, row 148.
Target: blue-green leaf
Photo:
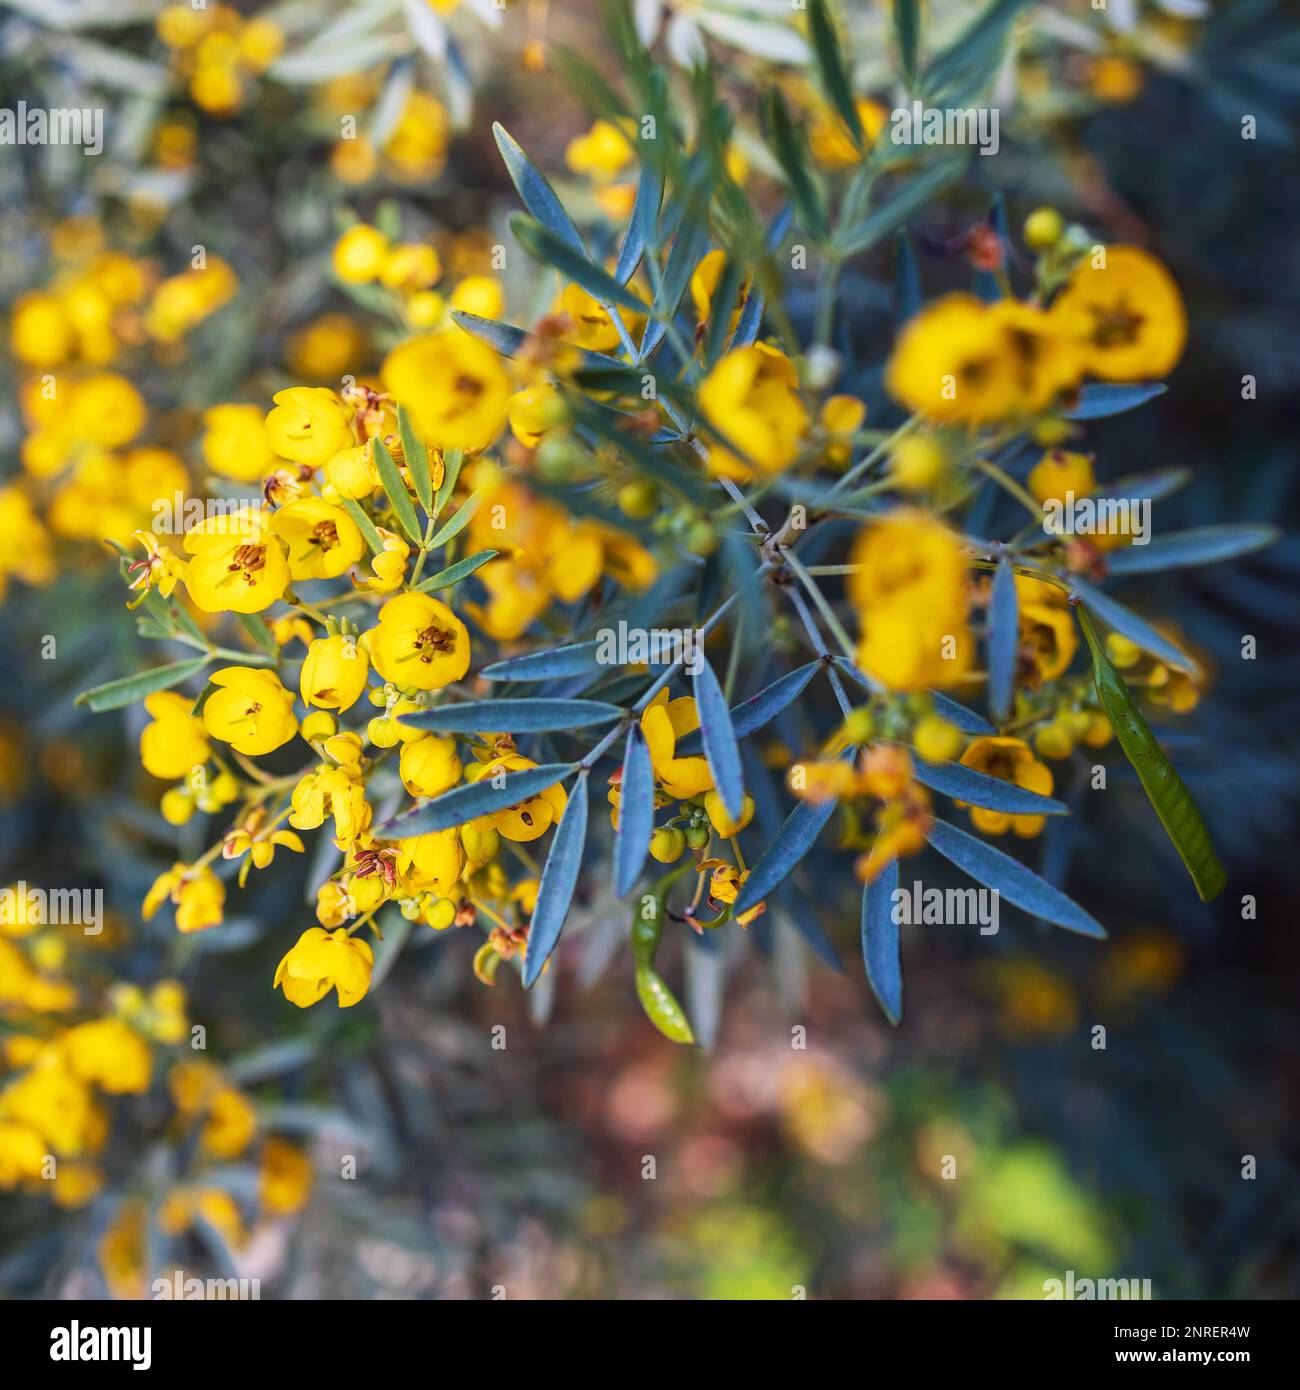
column 689, row 246
column 909, row 199
column 796, row 164
column 645, row 217
column 559, row 877
column 880, row 951
column 514, row 716
column 1205, row 545
column 463, row 804
column 965, row 719
column 636, row 812
column 453, row 574
column 510, row 341
column 1004, row 641
column 908, row 290
column 1100, row 399
column 538, row 195
column 979, row 789
column 719, row 738
column 577, row 659
column 1137, row 630
column 1155, row 484
column 1010, row 879
column 548, row 249
column 789, row 845
column 759, row 710
column 367, row 527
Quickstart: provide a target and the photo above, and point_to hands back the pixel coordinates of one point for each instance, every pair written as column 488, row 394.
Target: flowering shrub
column 732, row 468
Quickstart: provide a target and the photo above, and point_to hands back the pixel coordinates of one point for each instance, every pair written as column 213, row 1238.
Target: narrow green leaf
column 831, row 68
column 464, row 514
column 452, row 462
column 453, row 574
column 367, row 527
column 396, row 491
column 1137, row 630
column 417, row 459
column 907, row 34
column 527, row 716
column 910, row 198
column 1173, row 803
column 796, row 163
column 255, row 625
column 115, row 694
column 577, row 659
column 1003, row 641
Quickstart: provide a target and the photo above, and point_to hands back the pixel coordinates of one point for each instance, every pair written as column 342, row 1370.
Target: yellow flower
column 829, row 140
column 663, row 722
column 160, row 569
column 410, row 267
column 481, row 295
column 526, row 820
column 841, row 418
column 238, row 565
column 259, row 843
column 388, row 568
column 419, row 644
column 110, row 1055
column 592, row 326
column 235, row 442
column 601, row 154
column 331, row 791
column 285, row 1182
column 1048, row 637
column 250, row 710
column 174, row 742
column 725, row 884
column 535, row 410
column 308, row 425
column 323, row 541
column 1012, row 760
column 704, row 285
column 352, row 472
column 178, row 1211
column 199, row 896
column 432, row 862
column 416, row 148
column 40, row 332
column 22, row 1155
column 910, row 593
column 359, row 254
column 334, row 673
column 966, row 362
column 107, row 410
column 429, row 765
column 751, row 397
column 1060, row 472
column 320, row 961
column 453, row 385
column 1124, row 315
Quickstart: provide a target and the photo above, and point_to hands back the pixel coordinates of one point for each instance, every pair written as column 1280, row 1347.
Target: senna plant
column 687, row 516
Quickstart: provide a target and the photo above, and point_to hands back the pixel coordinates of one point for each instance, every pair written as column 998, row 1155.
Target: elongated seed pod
column 1173, row 803
column 658, row 1001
